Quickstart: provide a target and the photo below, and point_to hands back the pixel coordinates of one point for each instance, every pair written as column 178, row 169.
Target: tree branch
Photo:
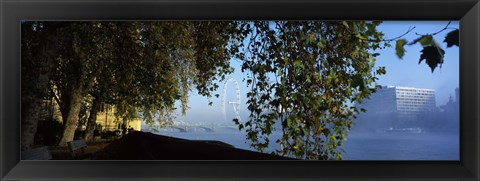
column 433, row 34
column 398, row 37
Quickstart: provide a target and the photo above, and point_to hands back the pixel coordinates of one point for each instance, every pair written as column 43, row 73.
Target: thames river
column 360, row 146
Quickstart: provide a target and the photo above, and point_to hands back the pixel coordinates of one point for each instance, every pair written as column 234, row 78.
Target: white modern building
column 401, row 103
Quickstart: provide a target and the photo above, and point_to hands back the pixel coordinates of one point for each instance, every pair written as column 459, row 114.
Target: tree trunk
column 92, row 119
column 30, row 120
column 32, row 98
column 65, row 99
column 124, row 127
column 71, row 122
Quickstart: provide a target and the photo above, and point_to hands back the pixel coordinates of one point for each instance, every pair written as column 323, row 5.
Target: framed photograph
column 247, row 90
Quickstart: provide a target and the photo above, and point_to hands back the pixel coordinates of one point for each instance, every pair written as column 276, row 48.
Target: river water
column 360, row 146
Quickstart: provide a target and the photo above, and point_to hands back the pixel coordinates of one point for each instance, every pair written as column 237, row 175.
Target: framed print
column 245, row 90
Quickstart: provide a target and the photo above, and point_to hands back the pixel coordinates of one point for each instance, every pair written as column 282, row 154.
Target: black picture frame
column 13, row 11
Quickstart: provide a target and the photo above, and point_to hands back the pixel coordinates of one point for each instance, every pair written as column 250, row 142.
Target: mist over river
column 359, row 146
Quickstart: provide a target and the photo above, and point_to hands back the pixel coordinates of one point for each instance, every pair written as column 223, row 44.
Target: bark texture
column 92, row 120
column 30, row 121
column 71, row 122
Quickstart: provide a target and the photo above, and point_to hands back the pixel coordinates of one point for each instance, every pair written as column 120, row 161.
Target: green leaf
column 279, row 73
column 399, row 48
column 381, row 71
column 359, row 36
column 433, row 56
column 297, row 63
column 357, row 81
column 452, row 38
column 426, row 40
column 321, row 44
column 289, row 122
column 345, row 24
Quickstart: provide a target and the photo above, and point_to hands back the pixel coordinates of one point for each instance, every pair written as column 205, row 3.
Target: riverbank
column 148, row 146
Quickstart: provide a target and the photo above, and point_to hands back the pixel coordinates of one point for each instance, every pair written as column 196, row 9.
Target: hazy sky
column 406, row 72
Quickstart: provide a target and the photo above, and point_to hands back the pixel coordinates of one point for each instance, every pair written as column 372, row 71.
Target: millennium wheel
column 235, row 103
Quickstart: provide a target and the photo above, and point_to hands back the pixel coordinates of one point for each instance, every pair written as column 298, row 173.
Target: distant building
column 109, row 122
column 105, row 119
column 452, row 107
column 457, row 95
column 400, row 103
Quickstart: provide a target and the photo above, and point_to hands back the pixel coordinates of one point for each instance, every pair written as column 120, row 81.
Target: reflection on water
column 359, row 146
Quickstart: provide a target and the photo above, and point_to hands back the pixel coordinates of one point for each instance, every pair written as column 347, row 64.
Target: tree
column 80, row 62
column 103, row 83
column 133, row 66
column 304, row 74
column 39, row 48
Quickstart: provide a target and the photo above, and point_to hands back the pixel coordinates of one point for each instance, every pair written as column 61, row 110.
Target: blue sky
column 405, row 72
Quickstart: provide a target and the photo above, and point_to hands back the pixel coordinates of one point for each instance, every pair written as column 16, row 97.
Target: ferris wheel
column 235, row 103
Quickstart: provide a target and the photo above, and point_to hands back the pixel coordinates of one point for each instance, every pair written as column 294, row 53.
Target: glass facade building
column 404, row 103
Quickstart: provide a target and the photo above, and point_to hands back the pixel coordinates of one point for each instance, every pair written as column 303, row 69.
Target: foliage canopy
column 306, row 75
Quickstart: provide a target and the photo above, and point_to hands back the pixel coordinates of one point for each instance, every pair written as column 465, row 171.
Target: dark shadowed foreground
column 148, row 146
